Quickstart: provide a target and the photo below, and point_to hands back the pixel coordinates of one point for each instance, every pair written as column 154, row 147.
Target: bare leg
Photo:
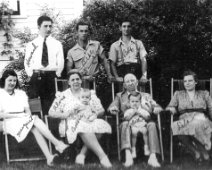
column 134, row 141
column 146, row 143
column 201, row 149
column 134, row 137
column 92, row 143
column 42, row 144
column 43, row 129
column 80, row 158
column 129, row 158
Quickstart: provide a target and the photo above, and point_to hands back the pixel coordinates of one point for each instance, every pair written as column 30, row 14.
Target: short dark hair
column 190, row 73
column 72, row 72
column 121, row 21
column 5, row 75
column 43, row 18
column 83, row 23
column 134, row 94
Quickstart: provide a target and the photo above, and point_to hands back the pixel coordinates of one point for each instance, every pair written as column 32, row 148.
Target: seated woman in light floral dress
column 68, row 107
column 193, row 127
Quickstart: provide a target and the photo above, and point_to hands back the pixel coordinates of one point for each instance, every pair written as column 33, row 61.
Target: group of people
column 79, row 108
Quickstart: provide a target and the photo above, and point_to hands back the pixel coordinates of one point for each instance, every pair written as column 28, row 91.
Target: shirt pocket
column 77, row 56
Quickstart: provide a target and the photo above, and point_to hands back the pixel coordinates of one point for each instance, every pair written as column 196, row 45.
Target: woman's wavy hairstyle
column 5, row 75
column 190, row 73
column 73, row 71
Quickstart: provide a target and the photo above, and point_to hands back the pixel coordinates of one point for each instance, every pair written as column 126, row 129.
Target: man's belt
column 43, row 71
column 129, row 64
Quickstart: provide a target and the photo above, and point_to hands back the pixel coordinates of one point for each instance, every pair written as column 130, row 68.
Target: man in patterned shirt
column 128, row 55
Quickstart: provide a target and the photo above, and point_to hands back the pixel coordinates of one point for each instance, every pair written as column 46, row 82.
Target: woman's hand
column 171, row 109
column 157, row 110
column 92, row 117
column 79, row 108
column 113, row 110
column 58, row 94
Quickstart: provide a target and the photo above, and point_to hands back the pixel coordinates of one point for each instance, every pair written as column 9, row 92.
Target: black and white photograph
column 105, row 84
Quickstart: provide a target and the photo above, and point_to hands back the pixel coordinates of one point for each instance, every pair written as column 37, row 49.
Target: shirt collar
column 42, row 38
column 128, row 92
column 77, row 46
column 132, row 40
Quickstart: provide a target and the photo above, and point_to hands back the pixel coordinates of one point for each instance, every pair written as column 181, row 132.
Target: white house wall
column 31, row 10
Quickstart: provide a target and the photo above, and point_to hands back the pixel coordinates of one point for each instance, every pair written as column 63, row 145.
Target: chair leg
column 118, row 137
column 171, row 141
column 161, row 139
column 7, row 148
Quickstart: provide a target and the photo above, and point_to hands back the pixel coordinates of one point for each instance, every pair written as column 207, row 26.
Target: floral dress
column 17, row 127
column 192, row 120
column 75, row 123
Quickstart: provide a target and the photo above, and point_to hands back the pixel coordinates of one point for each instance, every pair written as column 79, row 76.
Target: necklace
column 11, row 93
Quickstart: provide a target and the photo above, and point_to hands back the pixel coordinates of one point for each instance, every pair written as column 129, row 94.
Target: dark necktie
column 45, row 60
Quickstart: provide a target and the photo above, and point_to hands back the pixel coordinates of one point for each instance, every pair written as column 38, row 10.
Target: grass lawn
column 184, row 163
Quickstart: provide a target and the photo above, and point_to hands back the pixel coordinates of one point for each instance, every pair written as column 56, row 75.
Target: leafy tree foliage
column 176, row 34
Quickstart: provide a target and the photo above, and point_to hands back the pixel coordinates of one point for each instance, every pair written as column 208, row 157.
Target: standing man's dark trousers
column 42, row 84
column 134, row 68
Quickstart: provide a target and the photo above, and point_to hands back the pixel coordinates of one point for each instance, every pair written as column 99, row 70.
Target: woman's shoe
column 65, row 155
column 105, row 162
column 80, row 159
column 61, row 147
column 50, row 161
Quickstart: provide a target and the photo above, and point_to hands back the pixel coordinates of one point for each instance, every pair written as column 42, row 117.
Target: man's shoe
column 153, row 162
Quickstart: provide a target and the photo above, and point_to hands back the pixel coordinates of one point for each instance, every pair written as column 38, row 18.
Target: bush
column 176, row 34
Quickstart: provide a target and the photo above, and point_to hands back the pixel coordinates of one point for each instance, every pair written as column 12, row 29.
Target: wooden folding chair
column 62, row 84
column 177, row 84
column 35, row 107
column 142, row 88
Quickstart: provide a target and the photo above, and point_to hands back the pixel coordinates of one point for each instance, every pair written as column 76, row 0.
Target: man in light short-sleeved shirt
column 87, row 54
column 128, row 55
column 86, row 60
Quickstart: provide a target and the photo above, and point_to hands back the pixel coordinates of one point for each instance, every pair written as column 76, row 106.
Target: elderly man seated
column 119, row 106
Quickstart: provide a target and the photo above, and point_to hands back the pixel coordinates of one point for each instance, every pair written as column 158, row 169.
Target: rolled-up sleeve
column 113, row 53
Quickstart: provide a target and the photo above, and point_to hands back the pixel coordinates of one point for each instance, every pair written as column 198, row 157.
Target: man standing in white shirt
column 44, row 60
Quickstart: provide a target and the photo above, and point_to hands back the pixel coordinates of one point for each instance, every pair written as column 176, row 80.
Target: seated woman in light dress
column 17, row 118
column 193, row 127
column 68, row 107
